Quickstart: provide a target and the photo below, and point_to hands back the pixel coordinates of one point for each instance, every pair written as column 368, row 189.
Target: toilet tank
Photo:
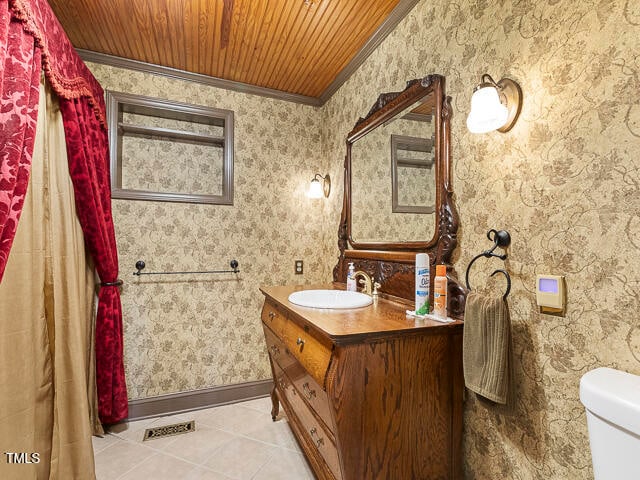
column 612, row 401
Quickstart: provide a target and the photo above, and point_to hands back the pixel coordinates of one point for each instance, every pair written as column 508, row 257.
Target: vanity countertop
column 382, row 317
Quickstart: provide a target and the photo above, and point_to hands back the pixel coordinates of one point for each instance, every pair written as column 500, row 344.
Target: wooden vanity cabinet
column 369, row 394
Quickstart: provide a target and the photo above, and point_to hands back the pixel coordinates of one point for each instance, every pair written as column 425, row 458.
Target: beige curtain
column 47, row 391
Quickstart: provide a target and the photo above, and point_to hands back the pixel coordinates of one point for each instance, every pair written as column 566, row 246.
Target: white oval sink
column 330, row 299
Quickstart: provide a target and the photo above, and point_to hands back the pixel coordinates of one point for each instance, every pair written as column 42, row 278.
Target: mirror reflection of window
column 412, row 177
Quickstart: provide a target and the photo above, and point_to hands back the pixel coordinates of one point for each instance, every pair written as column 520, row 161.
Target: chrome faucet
column 368, row 282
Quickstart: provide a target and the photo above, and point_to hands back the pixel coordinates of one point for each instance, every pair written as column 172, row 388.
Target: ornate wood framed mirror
column 398, row 196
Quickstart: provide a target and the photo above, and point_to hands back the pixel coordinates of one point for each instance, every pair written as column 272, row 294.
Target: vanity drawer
column 313, row 353
column 314, row 433
column 305, row 384
column 313, row 393
column 277, row 349
column 273, row 318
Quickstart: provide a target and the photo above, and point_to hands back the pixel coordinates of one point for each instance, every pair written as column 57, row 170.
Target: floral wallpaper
column 411, row 191
column 189, row 332
column 149, row 163
column 565, row 182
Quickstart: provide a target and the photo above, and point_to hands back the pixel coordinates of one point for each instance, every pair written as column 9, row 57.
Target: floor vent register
column 169, row 430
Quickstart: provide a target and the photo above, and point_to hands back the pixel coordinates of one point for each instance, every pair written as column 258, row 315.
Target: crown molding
column 174, row 73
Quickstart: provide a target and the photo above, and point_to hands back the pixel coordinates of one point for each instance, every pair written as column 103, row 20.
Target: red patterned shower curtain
column 30, row 38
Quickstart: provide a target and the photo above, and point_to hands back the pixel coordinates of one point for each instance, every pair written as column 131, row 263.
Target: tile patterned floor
column 238, row 442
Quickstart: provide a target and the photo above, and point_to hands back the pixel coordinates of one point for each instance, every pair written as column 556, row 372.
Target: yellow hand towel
column 487, row 345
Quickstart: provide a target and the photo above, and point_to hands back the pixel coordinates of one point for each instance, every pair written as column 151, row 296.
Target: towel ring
column 500, row 238
column 508, row 277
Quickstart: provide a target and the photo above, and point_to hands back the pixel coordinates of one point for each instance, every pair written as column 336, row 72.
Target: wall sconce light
column 494, row 106
column 316, row 189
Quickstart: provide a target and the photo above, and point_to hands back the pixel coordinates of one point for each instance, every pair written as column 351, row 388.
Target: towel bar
column 140, row 266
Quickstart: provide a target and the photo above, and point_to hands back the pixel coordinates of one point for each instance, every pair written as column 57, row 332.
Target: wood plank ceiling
column 294, row 46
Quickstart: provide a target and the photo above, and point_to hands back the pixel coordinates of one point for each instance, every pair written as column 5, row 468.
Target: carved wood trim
column 393, row 262
column 386, row 107
column 402, row 257
column 395, row 277
column 386, row 98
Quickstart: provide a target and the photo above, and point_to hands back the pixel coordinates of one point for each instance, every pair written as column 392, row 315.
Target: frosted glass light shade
column 319, row 189
column 315, row 189
column 487, row 112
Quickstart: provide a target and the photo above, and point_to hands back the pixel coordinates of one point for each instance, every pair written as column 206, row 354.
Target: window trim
column 116, row 101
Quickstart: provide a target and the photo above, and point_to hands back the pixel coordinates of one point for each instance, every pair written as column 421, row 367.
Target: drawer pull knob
column 275, row 349
column 300, row 342
column 307, row 391
column 319, row 441
column 272, row 315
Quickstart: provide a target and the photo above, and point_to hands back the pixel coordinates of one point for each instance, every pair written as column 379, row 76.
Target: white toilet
column 612, row 400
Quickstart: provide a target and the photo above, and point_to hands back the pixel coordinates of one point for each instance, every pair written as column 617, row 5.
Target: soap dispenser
column 352, row 286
